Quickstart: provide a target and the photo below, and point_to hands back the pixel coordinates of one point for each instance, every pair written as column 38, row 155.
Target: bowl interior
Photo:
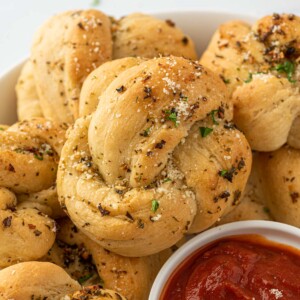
column 199, row 25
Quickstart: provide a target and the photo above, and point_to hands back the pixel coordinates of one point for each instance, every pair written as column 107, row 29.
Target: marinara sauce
column 239, row 267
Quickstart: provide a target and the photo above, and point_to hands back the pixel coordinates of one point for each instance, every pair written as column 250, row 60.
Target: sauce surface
column 241, row 267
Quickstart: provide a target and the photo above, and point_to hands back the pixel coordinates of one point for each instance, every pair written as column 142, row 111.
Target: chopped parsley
column 225, row 80
column 154, row 205
column 205, row 131
column 249, row 79
column 172, row 116
column 1, row 128
column 84, row 278
column 146, row 132
column 38, row 156
column 167, row 180
column 222, row 173
column 287, row 67
column 212, row 113
column 182, row 97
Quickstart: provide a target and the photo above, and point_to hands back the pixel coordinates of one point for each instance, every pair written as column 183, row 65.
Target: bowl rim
column 269, row 229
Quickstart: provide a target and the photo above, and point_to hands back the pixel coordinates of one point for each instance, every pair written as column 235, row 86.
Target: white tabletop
column 20, row 18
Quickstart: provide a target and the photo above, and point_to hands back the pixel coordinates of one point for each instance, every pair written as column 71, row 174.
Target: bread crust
column 28, row 103
column 29, row 154
column 260, row 66
column 97, row 82
column 145, row 36
column 280, row 177
column 64, row 51
column 132, row 277
column 35, row 280
column 122, row 171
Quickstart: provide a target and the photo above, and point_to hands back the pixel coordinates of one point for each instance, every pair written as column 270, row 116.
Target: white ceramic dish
column 274, row 231
column 200, row 25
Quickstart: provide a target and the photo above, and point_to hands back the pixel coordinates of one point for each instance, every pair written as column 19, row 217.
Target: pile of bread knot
column 126, row 144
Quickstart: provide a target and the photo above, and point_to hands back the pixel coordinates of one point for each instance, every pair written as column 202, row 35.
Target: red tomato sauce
column 244, row 267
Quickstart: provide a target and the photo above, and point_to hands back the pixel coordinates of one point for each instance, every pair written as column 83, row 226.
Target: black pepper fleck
column 7, row 222
column 103, row 211
column 185, row 40
column 160, row 145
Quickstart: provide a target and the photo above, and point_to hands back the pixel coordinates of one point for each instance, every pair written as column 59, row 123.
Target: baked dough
column 95, row 293
column 43, row 280
column 84, row 259
column 29, row 154
column 47, row 201
column 280, row 177
column 97, row 82
column 142, row 147
column 85, row 41
column 252, row 205
column 25, row 233
column 145, row 36
column 28, row 103
column 35, row 280
column 260, row 66
column 65, row 50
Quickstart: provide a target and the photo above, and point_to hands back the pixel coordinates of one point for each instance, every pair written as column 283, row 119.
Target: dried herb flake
column 205, row 131
column 212, row 113
column 249, row 79
column 154, row 205
column 7, row 222
column 287, row 67
column 84, row 278
column 103, row 211
column 172, row 116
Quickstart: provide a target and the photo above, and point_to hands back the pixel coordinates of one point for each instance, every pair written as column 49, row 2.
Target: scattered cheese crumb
column 276, row 293
column 156, row 218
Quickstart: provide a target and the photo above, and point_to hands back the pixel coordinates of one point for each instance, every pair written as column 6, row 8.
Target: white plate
column 199, row 25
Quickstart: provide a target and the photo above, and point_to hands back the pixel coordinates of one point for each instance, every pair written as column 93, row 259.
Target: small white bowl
column 273, row 231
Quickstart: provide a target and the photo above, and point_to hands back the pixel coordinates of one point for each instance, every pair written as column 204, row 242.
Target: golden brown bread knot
column 85, row 42
column 84, row 259
column 252, row 205
column 260, row 66
column 42, row 280
column 279, row 172
column 65, row 50
column 29, row 154
column 145, row 36
column 28, row 102
column 35, row 280
column 143, row 170
column 25, row 233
